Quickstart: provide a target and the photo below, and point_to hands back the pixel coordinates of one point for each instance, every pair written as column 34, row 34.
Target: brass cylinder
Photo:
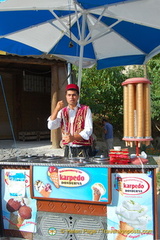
column 137, row 114
column 140, row 110
column 147, row 112
column 125, row 109
column 130, row 110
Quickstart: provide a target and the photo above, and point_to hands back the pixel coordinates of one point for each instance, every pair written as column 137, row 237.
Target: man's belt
column 83, row 151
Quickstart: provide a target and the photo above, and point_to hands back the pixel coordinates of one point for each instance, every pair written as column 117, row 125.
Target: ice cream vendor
column 75, row 122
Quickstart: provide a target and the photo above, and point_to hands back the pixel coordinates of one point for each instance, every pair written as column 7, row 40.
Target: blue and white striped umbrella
column 84, row 32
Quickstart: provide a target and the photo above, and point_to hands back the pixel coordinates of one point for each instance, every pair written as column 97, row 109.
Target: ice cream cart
column 55, row 198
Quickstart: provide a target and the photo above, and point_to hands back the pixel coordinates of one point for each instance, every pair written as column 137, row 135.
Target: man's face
column 72, row 98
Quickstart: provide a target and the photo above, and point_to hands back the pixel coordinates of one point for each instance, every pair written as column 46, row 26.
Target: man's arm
column 58, row 107
column 105, row 128
column 55, row 119
column 105, row 131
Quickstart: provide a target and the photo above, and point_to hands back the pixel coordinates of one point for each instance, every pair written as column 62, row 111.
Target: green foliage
column 135, row 71
column 153, row 70
column 152, row 151
column 103, row 92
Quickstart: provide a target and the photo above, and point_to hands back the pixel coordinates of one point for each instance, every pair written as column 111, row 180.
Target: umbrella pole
column 81, row 51
column 80, row 67
column 69, row 68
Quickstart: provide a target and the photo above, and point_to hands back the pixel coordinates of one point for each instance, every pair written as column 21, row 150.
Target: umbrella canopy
column 84, row 32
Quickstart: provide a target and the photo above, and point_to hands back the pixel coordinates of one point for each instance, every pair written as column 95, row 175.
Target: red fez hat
column 72, row 87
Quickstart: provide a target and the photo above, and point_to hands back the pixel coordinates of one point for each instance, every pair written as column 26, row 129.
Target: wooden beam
column 40, row 60
column 54, row 99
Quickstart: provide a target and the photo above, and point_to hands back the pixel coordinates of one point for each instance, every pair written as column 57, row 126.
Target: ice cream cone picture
column 12, row 206
column 53, row 174
column 43, row 189
column 44, row 193
column 19, row 211
column 132, row 216
column 6, row 178
column 13, row 221
column 120, row 185
column 124, row 229
column 24, row 212
column 20, row 221
column 98, row 190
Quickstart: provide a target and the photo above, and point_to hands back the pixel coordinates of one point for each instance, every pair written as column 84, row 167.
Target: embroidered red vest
column 78, row 124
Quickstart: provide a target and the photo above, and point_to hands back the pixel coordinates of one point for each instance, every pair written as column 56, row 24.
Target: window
column 36, row 83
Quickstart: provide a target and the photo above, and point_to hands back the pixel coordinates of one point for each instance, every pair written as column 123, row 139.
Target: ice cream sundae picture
column 15, row 182
column 19, row 212
column 43, row 189
column 131, row 216
column 98, row 190
column 53, row 175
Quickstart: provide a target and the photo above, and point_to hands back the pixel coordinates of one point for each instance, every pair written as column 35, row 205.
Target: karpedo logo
column 71, row 177
column 52, row 231
column 134, row 186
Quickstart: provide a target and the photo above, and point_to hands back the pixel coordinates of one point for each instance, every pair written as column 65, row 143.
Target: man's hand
column 68, row 138
column 59, row 105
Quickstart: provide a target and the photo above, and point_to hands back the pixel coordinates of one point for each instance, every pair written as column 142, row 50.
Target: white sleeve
column 54, row 124
column 88, row 127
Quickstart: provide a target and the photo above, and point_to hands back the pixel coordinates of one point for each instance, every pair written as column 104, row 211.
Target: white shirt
column 88, row 127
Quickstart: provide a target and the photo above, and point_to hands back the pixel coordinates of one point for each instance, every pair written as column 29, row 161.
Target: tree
column 102, row 91
column 153, row 69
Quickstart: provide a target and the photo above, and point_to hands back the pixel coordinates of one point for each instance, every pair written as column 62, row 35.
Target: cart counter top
column 63, row 162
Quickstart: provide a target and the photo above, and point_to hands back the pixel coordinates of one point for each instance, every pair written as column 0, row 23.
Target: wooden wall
column 29, row 97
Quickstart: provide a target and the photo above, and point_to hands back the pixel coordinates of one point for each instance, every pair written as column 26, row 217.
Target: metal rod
column 81, row 51
column 9, row 118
